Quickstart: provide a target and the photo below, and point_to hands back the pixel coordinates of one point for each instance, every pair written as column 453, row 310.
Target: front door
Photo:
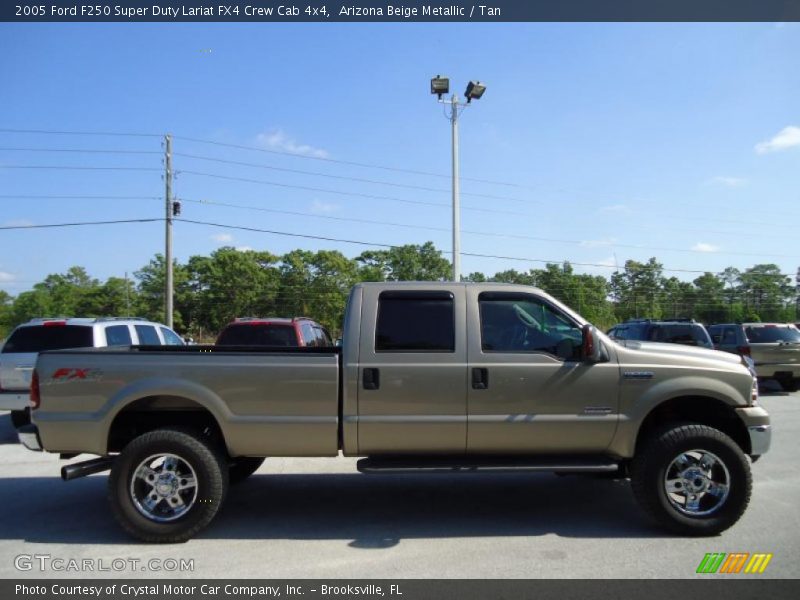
column 530, row 391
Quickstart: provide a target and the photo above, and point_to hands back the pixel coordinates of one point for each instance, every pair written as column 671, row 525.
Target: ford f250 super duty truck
column 430, row 377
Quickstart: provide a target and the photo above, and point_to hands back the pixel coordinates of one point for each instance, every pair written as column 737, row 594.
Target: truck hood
column 672, row 352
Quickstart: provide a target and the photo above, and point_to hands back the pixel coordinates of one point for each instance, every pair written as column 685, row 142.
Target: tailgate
column 15, row 370
column 778, row 353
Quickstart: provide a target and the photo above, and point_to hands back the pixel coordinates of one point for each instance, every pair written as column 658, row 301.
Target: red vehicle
column 274, row 331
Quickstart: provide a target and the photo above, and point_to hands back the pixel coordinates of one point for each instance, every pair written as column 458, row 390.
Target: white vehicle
column 19, row 352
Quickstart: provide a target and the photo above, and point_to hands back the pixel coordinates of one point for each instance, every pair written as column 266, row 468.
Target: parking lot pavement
column 319, row 518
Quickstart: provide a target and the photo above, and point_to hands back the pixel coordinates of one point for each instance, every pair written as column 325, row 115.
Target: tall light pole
column 475, row 89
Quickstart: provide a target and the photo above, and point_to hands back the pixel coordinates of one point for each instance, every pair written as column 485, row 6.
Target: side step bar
column 460, row 464
column 89, row 467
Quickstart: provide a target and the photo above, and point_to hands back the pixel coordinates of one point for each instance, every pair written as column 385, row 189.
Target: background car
column 686, row 332
column 774, row 348
column 274, row 331
column 18, row 355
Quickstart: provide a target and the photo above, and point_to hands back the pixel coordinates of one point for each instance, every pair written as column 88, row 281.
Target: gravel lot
column 319, row 518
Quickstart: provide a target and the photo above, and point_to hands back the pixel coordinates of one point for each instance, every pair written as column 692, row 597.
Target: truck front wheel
column 693, row 479
column 167, row 485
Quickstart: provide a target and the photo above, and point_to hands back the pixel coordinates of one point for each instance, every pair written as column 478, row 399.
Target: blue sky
column 680, row 141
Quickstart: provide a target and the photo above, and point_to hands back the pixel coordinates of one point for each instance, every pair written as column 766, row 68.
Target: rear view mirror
column 592, row 351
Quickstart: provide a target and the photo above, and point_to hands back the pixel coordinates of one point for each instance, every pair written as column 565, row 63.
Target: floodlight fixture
column 474, row 91
column 440, row 85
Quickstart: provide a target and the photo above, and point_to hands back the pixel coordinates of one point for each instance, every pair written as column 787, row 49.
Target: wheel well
column 157, row 412
column 696, row 409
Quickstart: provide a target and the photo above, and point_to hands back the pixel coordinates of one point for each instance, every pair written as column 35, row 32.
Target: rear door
column 412, row 387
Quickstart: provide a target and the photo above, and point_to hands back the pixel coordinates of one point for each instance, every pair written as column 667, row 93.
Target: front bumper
column 756, row 419
column 29, row 437
column 769, row 370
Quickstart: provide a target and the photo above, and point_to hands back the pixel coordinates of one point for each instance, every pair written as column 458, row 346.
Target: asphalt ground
column 320, row 518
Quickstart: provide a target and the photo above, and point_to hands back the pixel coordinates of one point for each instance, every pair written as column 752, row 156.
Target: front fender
column 637, row 404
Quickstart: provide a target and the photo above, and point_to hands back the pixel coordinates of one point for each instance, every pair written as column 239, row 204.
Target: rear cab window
column 258, row 334
column 39, row 338
column 770, row 334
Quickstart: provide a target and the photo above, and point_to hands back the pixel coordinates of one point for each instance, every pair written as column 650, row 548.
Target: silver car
column 774, row 348
column 19, row 352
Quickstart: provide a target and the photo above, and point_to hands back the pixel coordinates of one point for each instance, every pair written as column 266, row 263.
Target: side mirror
column 592, row 351
column 338, row 342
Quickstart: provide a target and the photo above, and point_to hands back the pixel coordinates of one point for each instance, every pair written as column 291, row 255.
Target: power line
column 340, row 193
column 472, row 232
column 58, row 197
column 51, row 225
column 102, row 133
column 344, row 178
column 476, row 255
column 78, row 168
column 343, row 162
column 80, row 150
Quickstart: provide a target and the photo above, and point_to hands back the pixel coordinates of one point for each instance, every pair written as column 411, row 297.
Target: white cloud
column 324, row 207
column 278, row 140
column 705, row 247
column 222, row 238
column 596, row 243
column 732, row 182
column 244, row 249
column 786, row 138
column 7, row 277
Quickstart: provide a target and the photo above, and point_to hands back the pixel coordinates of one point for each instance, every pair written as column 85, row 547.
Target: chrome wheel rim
column 163, row 487
column 697, row 483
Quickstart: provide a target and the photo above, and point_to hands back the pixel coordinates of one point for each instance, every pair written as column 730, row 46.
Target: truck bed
column 266, row 401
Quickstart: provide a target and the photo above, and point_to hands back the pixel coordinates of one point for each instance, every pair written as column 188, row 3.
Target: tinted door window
column 323, row 339
column 729, row 335
column 170, row 337
column 118, row 335
column 526, row 324
column 258, row 335
column 415, row 322
column 50, row 337
column 147, row 335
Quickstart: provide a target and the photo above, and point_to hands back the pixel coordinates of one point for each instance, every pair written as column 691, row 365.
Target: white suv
column 18, row 354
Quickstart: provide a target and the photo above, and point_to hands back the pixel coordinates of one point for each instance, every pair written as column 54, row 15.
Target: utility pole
column 456, row 197
column 475, row 89
column 168, row 237
column 127, row 297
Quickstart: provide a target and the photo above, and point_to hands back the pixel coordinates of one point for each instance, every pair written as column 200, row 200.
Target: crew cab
column 430, row 377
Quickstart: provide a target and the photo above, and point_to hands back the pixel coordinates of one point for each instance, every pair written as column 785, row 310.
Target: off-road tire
column 242, row 467
column 649, row 466
column 211, row 471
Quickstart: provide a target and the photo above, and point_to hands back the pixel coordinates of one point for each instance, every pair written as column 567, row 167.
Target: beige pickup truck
column 431, row 377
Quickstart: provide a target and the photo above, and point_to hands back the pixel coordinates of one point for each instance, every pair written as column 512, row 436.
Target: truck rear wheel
column 693, row 479
column 167, row 485
column 242, row 467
